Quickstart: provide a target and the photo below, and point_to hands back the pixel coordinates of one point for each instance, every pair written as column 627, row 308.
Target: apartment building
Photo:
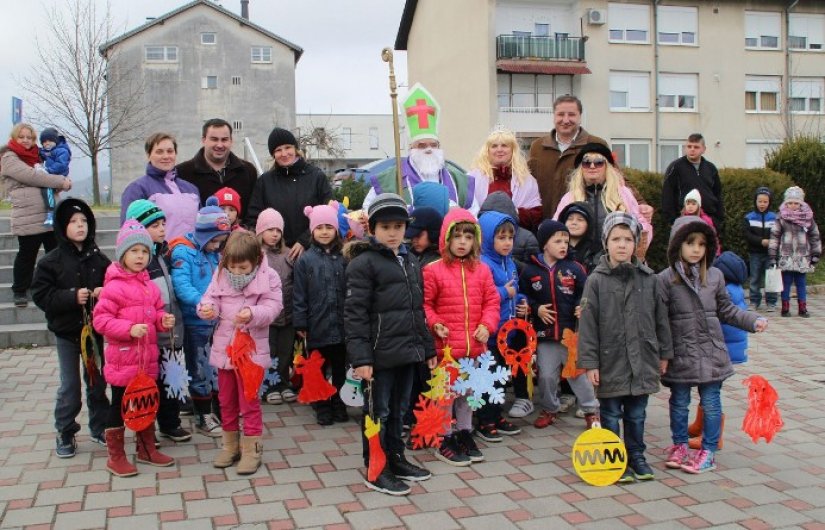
column 746, row 74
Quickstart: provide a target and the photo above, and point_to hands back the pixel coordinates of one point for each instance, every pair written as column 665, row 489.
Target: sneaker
column 208, row 425
column 506, row 428
column 627, row 477
column 580, row 413
column 288, row 395
column 66, row 446
column 677, row 455
column 389, row 484
column 488, row 432
column 99, row 439
column 566, row 402
column 178, row 434
column 468, row 446
column 702, row 461
column 406, row 470
column 20, row 301
column 592, row 419
column 771, row 308
column 274, row 398
column 521, row 408
column 545, row 419
column 641, row 469
column 449, row 453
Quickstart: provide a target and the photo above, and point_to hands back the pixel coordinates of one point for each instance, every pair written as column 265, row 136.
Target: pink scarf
column 803, row 217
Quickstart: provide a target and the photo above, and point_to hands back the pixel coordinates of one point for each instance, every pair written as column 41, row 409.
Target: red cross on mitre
column 423, row 111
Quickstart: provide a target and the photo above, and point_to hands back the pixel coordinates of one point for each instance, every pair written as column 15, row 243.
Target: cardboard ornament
column 432, row 422
column 140, row 403
column 570, row 339
column 350, row 391
column 519, row 361
column 315, row 386
column 240, row 350
column 89, row 351
column 762, row 420
column 599, row 457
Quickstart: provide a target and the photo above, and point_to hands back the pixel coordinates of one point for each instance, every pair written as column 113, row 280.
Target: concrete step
column 108, row 220
column 7, row 255
column 102, row 237
column 10, row 315
column 17, row 335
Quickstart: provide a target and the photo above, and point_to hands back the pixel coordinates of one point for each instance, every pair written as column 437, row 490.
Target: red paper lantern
column 140, row 403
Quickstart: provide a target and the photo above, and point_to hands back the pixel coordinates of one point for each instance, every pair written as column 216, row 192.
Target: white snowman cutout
column 351, row 390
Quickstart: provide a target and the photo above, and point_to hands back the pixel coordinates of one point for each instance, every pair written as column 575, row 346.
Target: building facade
column 745, row 74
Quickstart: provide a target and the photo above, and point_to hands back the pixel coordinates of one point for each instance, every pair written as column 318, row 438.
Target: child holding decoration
column 245, row 295
column 462, row 308
column 697, row 301
column 624, row 338
column 387, row 336
column 129, row 315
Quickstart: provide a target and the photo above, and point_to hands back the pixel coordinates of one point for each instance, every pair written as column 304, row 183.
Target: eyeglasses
column 594, row 162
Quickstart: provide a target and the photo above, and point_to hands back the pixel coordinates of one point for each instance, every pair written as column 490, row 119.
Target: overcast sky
column 340, row 71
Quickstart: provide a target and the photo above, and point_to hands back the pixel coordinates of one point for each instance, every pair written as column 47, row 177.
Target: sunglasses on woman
column 594, row 162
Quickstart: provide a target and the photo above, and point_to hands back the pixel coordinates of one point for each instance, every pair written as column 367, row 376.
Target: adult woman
column 178, row 198
column 500, row 166
column 597, row 182
column 288, row 187
column 23, row 180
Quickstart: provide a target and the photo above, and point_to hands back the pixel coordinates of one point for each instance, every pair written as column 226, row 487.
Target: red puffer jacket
column 460, row 294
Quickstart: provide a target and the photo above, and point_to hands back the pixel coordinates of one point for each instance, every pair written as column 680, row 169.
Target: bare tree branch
column 318, row 140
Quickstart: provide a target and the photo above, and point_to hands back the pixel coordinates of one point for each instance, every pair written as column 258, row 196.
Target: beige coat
column 23, row 184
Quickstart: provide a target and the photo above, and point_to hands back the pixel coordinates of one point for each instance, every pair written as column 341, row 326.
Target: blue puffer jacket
column 736, row 273
column 57, row 158
column 502, row 267
column 192, row 271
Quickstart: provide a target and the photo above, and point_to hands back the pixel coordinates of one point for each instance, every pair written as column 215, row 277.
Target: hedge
column 803, row 159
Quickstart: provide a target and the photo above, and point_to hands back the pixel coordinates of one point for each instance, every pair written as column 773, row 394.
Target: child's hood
column 454, row 216
column 63, row 213
column 498, row 201
column 762, row 190
column 682, row 228
column 489, row 223
column 579, row 207
column 732, row 266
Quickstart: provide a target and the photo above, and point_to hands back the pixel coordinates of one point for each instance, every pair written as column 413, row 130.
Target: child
column 624, row 338
column 387, row 336
column 129, row 315
column 462, row 308
column 66, row 281
column 554, row 285
column 585, row 248
column 230, row 203
column 154, row 220
column 244, row 295
column 693, row 206
column 194, row 261
column 795, row 247
column 318, row 304
column 56, row 156
column 497, row 234
column 735, row 272
column 270, row 232
column 697, row 301
column 758, row 224
column 422, row 232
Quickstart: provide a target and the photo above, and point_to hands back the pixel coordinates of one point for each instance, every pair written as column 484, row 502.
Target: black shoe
column 403, row 469
column 641, row 469
column 468, row 446
column 389, row 484
column 627, row 477
column 66, row 446
column 186, row 408
column 178, row 434
column 450, row 453
column 488, row 432
column 339, row 414
column 506, row 428
column 21, row 301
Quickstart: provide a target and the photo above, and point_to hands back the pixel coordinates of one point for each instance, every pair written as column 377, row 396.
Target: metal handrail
column 531, row 47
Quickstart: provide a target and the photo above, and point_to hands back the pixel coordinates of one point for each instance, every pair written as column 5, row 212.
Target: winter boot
column 117, row 464
column 695, row 428
column 251, row 449
column 803, row 310
column 786, row 308
column 147, row 453
column 231, row 451
column 696, row 441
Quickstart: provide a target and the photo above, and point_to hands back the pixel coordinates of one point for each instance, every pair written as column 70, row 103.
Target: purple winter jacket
column 180, row 206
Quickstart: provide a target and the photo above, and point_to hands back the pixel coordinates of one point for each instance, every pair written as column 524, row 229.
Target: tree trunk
column 95, row 183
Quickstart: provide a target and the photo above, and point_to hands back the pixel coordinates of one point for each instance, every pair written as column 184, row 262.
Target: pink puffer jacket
column 262, row 295
column 128, row 299
column 460, row 295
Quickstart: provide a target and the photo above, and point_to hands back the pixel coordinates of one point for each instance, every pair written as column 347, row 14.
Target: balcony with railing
column 557, row 48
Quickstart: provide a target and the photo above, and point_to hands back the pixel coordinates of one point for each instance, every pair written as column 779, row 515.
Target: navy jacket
column 561, row 286
column 318, row 296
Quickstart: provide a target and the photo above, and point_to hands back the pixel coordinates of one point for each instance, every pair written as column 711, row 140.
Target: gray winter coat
column 623, row 330
column 23, row 183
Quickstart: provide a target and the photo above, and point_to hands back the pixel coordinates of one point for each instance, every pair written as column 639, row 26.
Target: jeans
column 68, row 402
column 758, row 266
column 390, row 398
column 632, row 411
column 26, row 257
column 711, row 403
column 234, row 405
column 798, row 278
column 204, row 378
column 169, row 409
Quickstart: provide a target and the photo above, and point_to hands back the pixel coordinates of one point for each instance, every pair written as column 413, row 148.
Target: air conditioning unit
column 596, row 17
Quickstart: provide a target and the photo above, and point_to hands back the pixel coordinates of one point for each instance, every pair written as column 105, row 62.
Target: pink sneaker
column 702, row 461
column 677, row 455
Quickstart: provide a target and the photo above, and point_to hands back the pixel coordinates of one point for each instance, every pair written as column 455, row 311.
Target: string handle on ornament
column 369, row 399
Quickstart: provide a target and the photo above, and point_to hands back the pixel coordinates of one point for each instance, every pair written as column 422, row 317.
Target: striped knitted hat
column 210, row 223
column 132, row 233
column 144, row 212
column 615, row 219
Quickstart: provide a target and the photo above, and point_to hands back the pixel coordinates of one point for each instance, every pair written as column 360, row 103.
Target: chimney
column 245, row 9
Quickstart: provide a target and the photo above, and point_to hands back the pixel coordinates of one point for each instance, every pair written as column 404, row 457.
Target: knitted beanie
column 621, row 218
column 425, row 219
column 229, row 197
column 794, row 193
column 132, row 233
column 323, row 214
column 694, row 195
column 49, row 134
column 269, row 218
column 144, row 212
column 547, row 229
column 279, row 137
column 210, row 223
column 387, row 207
column 432, row 195
column 594, row 148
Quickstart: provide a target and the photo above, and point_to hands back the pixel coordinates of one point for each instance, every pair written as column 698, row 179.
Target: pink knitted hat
column 269, row 218
column 132, row 233
column 323, row 214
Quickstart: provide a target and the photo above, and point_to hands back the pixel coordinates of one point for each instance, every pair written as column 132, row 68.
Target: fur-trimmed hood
column 682, row 228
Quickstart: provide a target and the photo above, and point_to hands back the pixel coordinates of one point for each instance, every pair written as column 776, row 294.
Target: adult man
column 215, row 166
column 426, row 159
column 693, row 171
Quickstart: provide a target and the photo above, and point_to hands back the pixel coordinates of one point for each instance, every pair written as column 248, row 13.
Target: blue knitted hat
column 210, row 223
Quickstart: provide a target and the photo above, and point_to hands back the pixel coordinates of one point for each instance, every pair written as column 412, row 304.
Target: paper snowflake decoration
column 271, row 379
column 432, row 422
column 174, row 375
column 477, row 379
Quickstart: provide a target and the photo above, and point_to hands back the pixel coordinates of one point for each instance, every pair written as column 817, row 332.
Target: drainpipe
column 657, row 115
column 245, row 9
column 789, row 130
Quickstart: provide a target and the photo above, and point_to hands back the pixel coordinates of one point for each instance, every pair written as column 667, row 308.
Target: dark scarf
column 29, row 156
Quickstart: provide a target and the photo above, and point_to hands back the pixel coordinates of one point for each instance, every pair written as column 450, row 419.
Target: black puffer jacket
column 318, row 296
column 384, row 308
column 289, row 190
column 64, row 270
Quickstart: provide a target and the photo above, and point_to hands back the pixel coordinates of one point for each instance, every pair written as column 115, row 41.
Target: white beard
column 428, row 163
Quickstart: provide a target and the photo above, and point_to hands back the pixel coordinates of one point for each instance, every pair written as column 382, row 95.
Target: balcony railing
column 547, row 48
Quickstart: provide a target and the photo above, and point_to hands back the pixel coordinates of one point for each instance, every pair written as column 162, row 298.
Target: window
column 209, row 82
column 762, row 30
column 678, row 92
column 346, row 137
column 629, row 91
column 237, row 125
column 806, row 31
column 209, row 38
column 236, row 80
column 668, row 152
column 628, row 23
column 373, row 137
column 160, row 54
column 542, row 30
column 262, row 54
column 806, row 95
column 632, row 153
column 531, row 92
column 757, row 150
column 762, row 93
column 677, row 25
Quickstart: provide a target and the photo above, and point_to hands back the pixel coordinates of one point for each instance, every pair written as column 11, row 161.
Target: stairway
column 27, row 327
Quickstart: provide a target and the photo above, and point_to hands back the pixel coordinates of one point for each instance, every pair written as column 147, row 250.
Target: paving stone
column 430, row 521
column 253, row 513
column 718, row 512
column 492, row 485
column 316, row 516
column 432, row 502
column 488, row 522
column 279, row 492
column 660, row 510
column 189, row 524
column 23, row 491
column 603, row 508
column 81, row 520
column 158, row 503
column 27, row 516
column 543, row 507
column 327, row 496
column 210, row 508
column 778, row 515
column 108, row 499
column 382, row 518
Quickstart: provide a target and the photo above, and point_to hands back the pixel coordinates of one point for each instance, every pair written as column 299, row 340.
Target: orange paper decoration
column 762, row 420
column 378, row 459
column 240, row 351
column 432, row 422
column 571, row 340
column 140, row 403
column 521, row 360
column 315, row 385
